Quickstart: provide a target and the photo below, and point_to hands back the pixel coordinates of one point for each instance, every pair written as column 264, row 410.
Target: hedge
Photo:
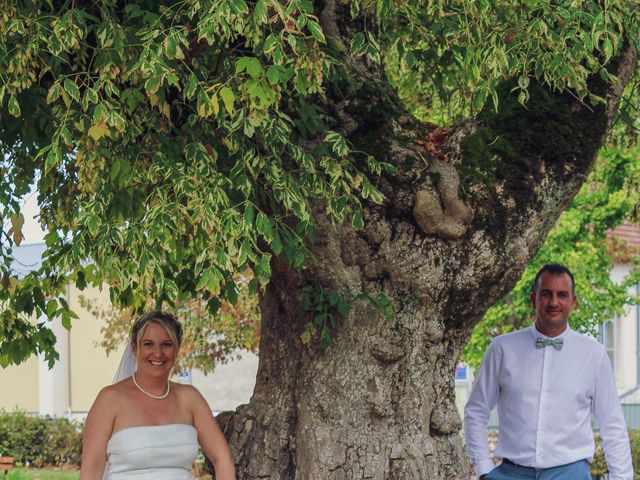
column 47, row 442
column 599, row 465
column 39, row 441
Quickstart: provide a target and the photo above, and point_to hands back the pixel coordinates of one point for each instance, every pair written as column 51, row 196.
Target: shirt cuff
column 622, row 476
column 484, row 466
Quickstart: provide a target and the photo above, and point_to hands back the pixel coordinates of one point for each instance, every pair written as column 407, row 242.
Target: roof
column 628, row 233
column 624, row 242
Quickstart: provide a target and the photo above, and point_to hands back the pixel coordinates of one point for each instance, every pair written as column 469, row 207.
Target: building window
column 608, row 339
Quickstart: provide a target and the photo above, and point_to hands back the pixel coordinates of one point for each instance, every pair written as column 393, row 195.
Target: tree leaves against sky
column 176, row 145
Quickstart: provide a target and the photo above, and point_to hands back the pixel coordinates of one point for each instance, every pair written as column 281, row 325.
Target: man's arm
column 608, row 412
column 483, row 398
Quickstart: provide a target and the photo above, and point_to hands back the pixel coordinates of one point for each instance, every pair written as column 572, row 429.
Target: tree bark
column 453, row 235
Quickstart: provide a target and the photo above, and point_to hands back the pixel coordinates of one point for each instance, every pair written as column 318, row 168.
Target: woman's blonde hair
column 165, row 320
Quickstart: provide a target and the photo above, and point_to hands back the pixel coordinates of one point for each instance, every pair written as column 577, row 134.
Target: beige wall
column 91, row 368
column 19, row 386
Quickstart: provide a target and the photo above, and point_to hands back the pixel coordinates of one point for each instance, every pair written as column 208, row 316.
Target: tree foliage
column 177, row 144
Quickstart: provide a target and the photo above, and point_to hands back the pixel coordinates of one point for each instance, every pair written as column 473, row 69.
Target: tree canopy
column 177, row 143
column 385, row 169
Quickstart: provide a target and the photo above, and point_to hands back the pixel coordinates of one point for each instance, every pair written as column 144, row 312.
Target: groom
column 546, row 380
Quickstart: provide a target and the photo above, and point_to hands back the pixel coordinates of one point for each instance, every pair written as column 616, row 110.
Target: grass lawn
column 42, row 474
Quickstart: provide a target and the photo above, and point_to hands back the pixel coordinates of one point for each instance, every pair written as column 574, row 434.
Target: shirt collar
column 536, row 333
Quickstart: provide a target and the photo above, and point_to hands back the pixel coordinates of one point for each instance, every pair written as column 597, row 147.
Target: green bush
column 39, row 441
column 599, row 465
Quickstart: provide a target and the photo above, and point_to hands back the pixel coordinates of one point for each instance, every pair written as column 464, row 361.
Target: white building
column 621, row 335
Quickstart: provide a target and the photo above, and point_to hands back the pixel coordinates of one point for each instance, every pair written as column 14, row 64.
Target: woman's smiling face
column 156, row 352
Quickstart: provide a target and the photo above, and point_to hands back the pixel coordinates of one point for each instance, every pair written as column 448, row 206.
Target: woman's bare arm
column 97, row 431
column 211, row 438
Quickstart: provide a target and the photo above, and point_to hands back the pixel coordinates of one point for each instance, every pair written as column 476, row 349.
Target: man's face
column 553, row 301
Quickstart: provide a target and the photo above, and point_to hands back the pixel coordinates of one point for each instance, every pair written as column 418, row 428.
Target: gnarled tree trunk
column 378, row 403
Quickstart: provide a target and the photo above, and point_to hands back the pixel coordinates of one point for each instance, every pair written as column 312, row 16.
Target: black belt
column 509, row 462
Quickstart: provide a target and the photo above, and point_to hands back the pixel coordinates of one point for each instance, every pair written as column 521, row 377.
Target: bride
column 146, row 426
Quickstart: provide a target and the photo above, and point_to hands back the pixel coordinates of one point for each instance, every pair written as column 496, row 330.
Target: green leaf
column 273, row 73
column 523, row 82
column 228, row 98
column 66, row 320
column 93, row 224
column 357, row 221
column 98, row 131
column 152, row 84
column 210, row 278
column 53, row 93
column 244, row 254
column 276, row 244
column 265, row 266
column 358, row 44
column 72, row 89
column 260, row 12
column 325, row 338
column 251, row 65
column 190, row 87
column 51, row 308
column 264, row 227
column 315, row 30
column 53, row 157
column 248, row 215
column 132, row 11
column 479, row 99
column 14, row 107
column 333, row 297
column 231, row 292
column 343, row 308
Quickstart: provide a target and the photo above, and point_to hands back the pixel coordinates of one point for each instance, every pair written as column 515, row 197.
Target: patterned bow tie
column 543, row 342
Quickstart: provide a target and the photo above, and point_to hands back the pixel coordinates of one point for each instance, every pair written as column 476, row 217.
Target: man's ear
column 532, row 297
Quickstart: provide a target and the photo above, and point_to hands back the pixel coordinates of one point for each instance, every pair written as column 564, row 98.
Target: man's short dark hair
column 554, row 269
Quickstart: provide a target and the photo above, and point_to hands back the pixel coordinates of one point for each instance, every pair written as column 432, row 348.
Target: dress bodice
column 159, row 452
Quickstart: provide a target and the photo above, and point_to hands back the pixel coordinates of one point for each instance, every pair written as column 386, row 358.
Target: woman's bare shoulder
column 112, row 395
column 186, row 391
column 188, row 394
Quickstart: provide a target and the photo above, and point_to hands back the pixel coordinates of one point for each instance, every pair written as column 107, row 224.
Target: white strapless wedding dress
column 158, row 452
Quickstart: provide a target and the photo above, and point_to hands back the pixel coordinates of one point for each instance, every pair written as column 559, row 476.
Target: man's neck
column 551, row 332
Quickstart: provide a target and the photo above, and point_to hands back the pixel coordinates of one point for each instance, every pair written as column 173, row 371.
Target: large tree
column 176, row 144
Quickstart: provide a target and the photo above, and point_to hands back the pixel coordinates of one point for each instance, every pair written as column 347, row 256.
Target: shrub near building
column 599, row 466
column 39, row 442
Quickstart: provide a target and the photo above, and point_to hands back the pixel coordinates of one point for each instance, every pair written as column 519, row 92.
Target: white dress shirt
column 545, row 398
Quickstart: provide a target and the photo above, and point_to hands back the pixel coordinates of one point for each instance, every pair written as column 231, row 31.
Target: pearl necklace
column 156, row 397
